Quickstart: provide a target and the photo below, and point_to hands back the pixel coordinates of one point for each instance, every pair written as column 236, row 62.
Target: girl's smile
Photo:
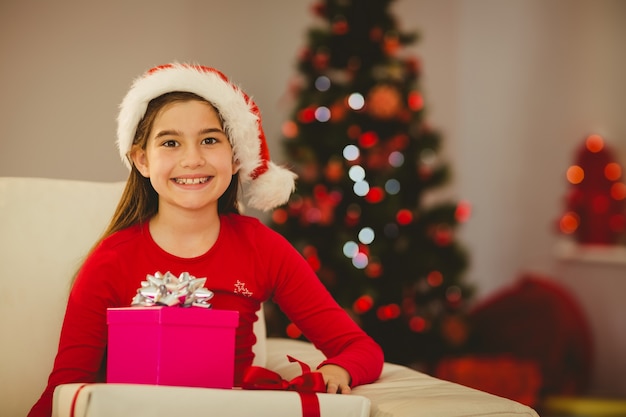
column 191, row 181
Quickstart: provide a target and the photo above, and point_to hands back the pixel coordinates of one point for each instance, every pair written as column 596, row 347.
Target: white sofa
column 47, row 225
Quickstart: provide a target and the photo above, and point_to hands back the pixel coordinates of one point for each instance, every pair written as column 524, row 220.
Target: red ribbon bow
column 306, row 385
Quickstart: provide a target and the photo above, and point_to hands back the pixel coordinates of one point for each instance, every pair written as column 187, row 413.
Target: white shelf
column 569, row 250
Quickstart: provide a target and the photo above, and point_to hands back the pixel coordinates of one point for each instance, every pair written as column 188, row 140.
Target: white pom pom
column 271, row 189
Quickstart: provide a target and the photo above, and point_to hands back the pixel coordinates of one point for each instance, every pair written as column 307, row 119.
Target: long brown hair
column 139, row 201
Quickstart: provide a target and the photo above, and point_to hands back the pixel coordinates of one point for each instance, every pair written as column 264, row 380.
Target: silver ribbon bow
column 169, row 290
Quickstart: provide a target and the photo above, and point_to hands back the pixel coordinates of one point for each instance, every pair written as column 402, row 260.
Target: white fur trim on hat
column 267, row 185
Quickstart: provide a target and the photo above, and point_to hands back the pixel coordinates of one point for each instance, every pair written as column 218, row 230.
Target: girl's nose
column 192, row 157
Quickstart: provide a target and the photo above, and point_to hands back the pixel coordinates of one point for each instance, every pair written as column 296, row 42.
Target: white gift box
column 134, row 400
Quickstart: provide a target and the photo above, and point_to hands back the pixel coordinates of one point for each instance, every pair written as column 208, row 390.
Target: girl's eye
column 170, row 143
column 209, row 141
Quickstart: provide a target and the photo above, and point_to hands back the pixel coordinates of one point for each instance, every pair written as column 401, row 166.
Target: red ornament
column 375, row 195
column 340, row 26
column 463, row 211
column 388, row 312
column 306, row 115
column 415, row 101
column 404, row 217
column 321, row 60
column 374, row 270
column 418, row 324
column 319, row 9
column 279, row 216
column 293, row 331
column 363, row 304
column 384, row 102
column 368, row 139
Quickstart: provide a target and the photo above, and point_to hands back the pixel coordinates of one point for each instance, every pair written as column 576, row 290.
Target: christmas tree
column 595, row 212
column 367, row 162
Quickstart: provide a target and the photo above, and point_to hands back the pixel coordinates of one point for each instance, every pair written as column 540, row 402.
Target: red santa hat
column 266, row 184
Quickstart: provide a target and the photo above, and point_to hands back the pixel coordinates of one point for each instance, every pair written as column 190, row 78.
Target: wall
column 513, row 86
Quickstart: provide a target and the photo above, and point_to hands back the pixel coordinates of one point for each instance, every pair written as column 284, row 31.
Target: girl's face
column 188, row 157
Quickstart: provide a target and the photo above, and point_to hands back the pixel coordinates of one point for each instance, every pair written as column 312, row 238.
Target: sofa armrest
column 401, row 391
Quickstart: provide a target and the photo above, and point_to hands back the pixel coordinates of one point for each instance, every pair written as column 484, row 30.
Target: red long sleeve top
column 249, row 264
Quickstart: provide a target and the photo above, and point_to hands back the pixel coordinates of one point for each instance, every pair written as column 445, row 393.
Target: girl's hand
column 336, row 378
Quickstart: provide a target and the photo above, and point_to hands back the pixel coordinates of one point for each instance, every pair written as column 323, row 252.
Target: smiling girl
column 190, row 139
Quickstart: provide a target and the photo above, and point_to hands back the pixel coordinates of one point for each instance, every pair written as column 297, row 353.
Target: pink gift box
column 193, row 347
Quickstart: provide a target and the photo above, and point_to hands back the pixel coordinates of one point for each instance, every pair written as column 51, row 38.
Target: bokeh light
column 366, row 235
column 375, row 195
column 351, row 153
column 361, row 188
column 322, row 83
column 613, row 171
column 594, row 143
column 280, row 216
column 356, row 101
column 388, row 312
column 396, row 159
column 322, row 114
column 356, row 173
column 363, row 304
column 392, row 186
column 618, row 191
column 404, row 217
column 434, row 278
column 293, row 331
column 575, row 174
column 290, row 129
column 350, row 249
column 415, row 101
column 360, row 260
column 463, row 211
column 569, row 222
column 417, row 324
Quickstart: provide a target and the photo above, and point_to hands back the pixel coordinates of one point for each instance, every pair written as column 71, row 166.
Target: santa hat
column 267, row 185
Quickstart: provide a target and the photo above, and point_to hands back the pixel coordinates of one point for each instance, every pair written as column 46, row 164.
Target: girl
column 190, row 137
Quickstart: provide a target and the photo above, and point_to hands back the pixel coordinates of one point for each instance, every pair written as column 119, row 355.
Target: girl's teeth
column 191, row 180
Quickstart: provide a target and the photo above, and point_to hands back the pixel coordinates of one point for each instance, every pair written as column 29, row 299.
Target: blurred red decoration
column 280, row 216
column 375, row 195
column 334, row 170
column 391, row 44
column 374, row 270
column 363, row 304
column 293, row 331
column 418, row 324
column 404, row 217
column 434, row 278
column 384, row 102
column 415, row 101
column 388, row 312
column 368, row 139
column 306, row 115
column 463, row 211
column 594, row 204
column 319, row 9
column 340, row 27
column 290, row 129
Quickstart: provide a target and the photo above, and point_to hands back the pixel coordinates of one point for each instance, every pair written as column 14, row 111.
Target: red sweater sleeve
column 304, row 299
